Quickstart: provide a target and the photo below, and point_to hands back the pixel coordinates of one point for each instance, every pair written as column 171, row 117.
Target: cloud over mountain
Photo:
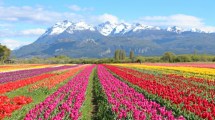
column 181, row 20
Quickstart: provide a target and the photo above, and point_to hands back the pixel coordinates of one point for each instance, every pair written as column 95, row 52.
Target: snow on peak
column 175, row 29
column 79, row 26
column 197, row 30
column 139, row 26
column 59, row 28
column 106, row 28
column 122, row 28
column 109, row 28
column 203, row 30
column 180, row 30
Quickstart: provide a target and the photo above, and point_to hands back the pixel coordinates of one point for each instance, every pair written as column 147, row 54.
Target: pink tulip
column 75, row 90
column 125, row 99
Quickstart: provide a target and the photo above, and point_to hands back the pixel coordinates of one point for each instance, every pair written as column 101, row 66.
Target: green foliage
column 131, row 55
column 35, row 60
column 168, row 57
column 183, row 58
column 87, row 107
column 213, row 59
column 4, row 53
column 140, row 58
column 102, row 109
column 123, row 55
column 116, row 54
column 153, row 59
column 59, row 59
column 119, row 55
column 201, row 57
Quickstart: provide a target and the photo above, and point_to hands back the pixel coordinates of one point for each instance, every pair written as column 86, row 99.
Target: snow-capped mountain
column 197, row 30
column 108, row 28
column 79, row 26
column 138, row 26
column 84, row 40
column 122, row 28
column 179, row 30
column 58, row 28
column 69, row 27
column 175, row 29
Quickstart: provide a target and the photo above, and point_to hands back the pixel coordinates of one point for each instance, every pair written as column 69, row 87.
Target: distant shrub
column 183, row 58
column 213, row 59
column 168, row 57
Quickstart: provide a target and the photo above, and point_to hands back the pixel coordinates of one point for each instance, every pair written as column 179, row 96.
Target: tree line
column 4, row 53
column 118, row 57
column 172, row 57
column 121, row 54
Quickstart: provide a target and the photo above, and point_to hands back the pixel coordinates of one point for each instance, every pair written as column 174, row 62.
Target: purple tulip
column 74, row 91
column 17, row 75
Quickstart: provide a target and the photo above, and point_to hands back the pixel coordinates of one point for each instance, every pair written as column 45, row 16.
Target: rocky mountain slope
column 83, row 40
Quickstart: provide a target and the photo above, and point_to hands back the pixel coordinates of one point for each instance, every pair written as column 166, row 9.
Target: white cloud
column 40, row 16
column 13, row 44
column 32, row 32
column 5, row 25
column 209, row 29
column 24, row 33
column 78, row 8
column 107, row 17
column 35, row 15
column 173, row 20
column 5, row 33
column 181, row 20
column 75, row 8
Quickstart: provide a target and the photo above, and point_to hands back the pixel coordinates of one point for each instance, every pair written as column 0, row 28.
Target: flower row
column 7, row 87
column 54, row 80
column 193, row 85
column 65, row 102
column 193, row 103
column 8, row 105
column 7, row 68
column 17, row 75
column 200, row 65
column 206, row 73
column 128, row 103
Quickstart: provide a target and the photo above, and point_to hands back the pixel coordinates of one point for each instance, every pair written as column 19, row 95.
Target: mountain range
column 81, row 40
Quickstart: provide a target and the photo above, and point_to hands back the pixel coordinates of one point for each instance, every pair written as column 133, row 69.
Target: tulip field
column 148, row 91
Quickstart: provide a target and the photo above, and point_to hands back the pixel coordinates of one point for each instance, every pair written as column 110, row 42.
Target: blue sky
column 23, row 21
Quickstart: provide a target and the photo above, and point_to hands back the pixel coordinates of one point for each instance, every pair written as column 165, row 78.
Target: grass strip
column 87, row 107
column 102, row 109
column 37, row 95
